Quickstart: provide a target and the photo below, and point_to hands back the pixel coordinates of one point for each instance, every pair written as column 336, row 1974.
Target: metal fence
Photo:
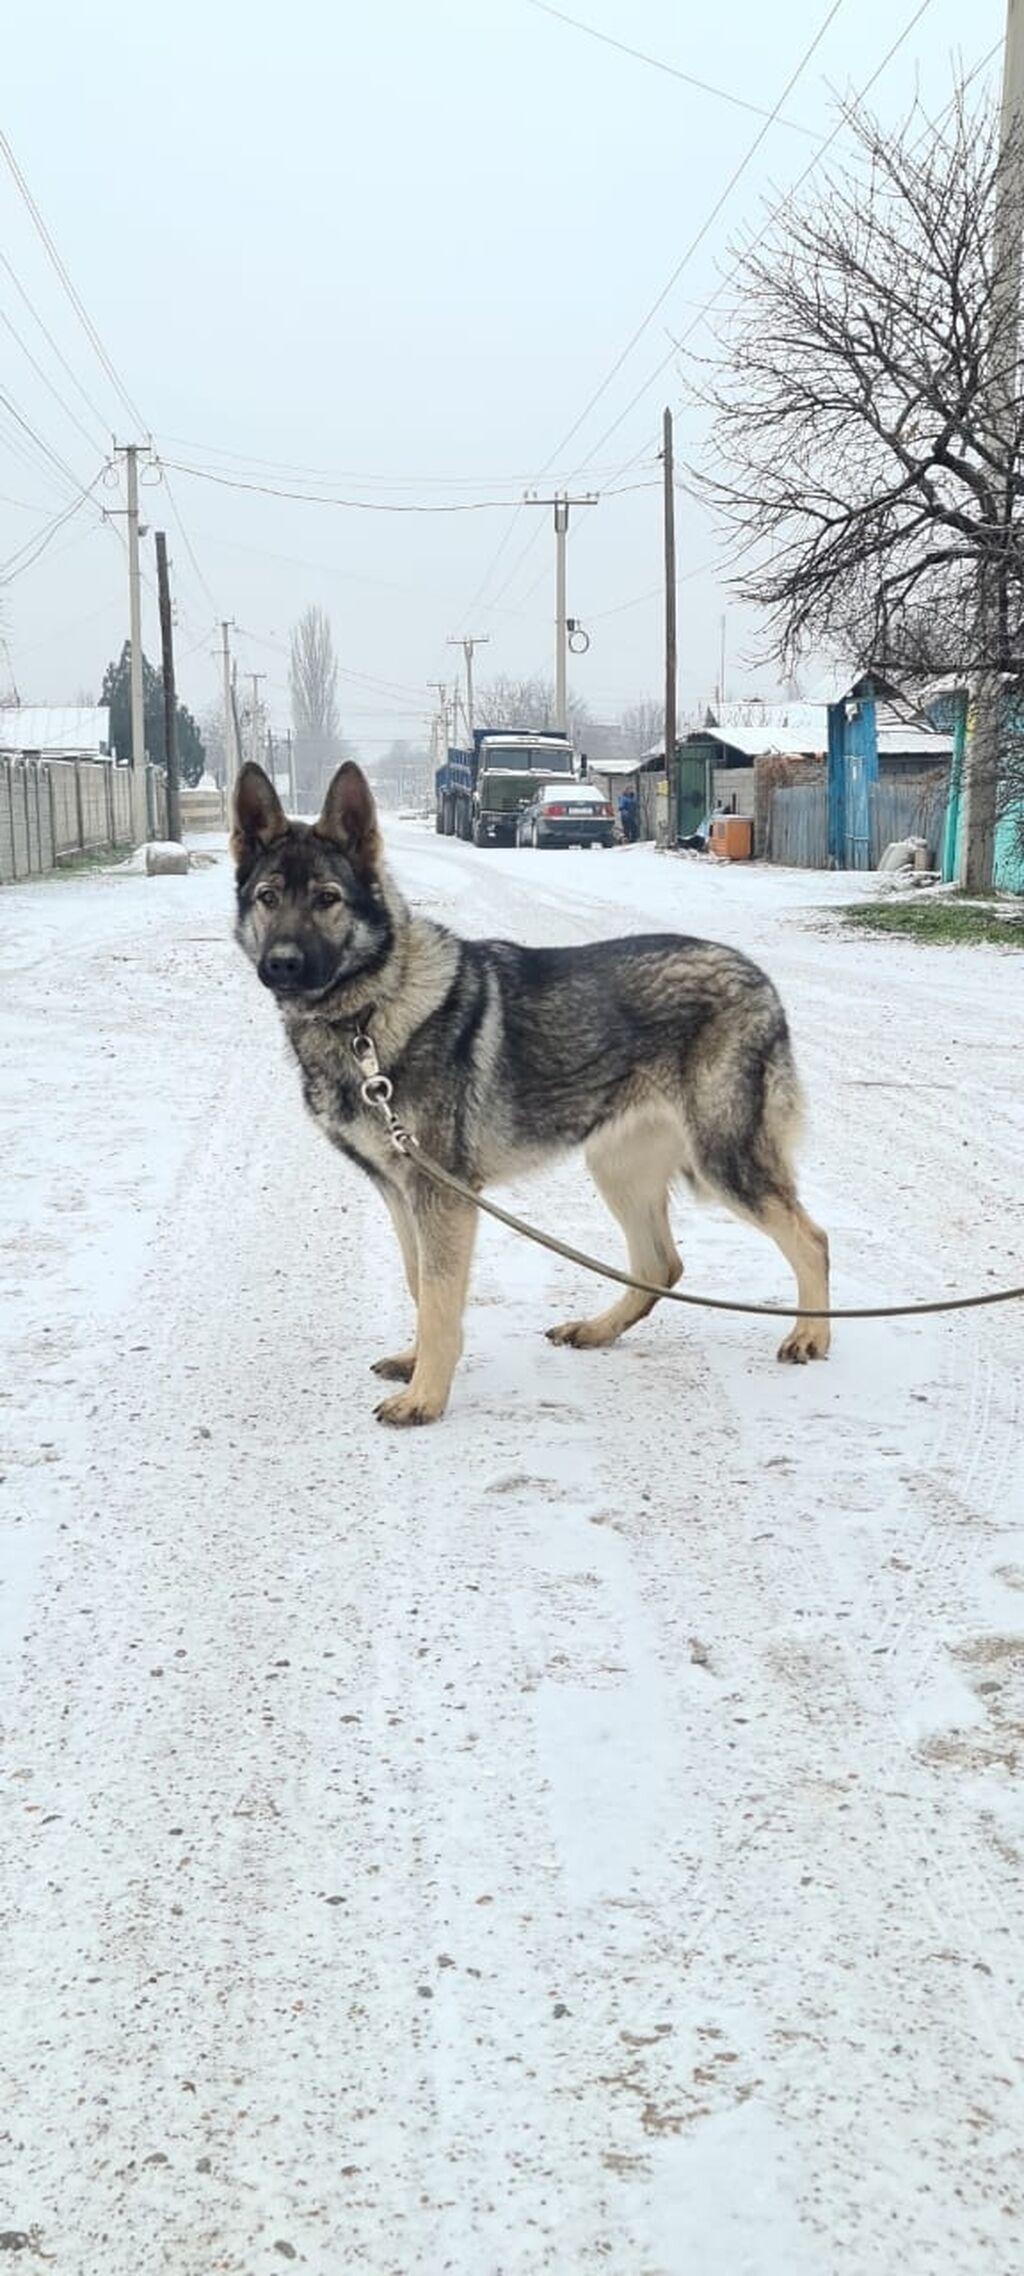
column 54, row 810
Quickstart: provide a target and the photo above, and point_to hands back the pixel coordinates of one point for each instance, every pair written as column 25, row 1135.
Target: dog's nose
column 283, row 964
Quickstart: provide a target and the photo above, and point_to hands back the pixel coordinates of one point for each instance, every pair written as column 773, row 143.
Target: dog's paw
column 397, row 1369
column 583, row 1335
column 407, row 1410
column 809, row 1339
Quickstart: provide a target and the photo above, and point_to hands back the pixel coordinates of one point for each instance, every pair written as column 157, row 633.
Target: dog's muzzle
column 282, row 967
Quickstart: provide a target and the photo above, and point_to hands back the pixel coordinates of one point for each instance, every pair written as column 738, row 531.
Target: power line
column 47, row 381
column 722, row 94
column 702, row 232
column 478, row 601
column 52, row 344
column 705, row 310
column 54, row 458
column 771, row 219
column 77, row 303
column 358, row 505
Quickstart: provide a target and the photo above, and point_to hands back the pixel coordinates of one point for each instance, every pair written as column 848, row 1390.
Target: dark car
column 567, row 814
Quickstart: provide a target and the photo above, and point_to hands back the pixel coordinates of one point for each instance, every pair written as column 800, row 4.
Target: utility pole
column 467, row 644
column 140, row 810
column 254, row 724
column 988, row 697
column 291, row 772
column 561, row 504
column 170, row 698
column 442, row 697
column 231, row 753
column 668, row 470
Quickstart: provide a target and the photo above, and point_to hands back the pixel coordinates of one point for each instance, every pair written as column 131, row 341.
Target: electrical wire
column 722, row 94
column 52, row 344
column 53, row 457
column 74, row 297
column 702, row 232
column 46, row 380
column 773, row 216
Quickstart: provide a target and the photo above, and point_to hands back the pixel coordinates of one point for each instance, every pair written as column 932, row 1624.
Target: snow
column 587, row 1834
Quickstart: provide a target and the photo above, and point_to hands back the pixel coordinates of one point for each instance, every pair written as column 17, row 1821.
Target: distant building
column 67, row 731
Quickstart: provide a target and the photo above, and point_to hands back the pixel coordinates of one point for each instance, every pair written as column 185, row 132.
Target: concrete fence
column 53, row 811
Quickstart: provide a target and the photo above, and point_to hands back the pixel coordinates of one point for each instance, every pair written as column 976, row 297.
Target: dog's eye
column 266, row 896
column 326, row 899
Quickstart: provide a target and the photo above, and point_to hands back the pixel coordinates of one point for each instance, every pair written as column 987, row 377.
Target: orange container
column 733, row 836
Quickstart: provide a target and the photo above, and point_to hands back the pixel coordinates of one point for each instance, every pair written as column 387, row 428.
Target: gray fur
column 664, row 1058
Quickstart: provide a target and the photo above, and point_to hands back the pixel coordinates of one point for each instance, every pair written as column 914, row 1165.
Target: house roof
column 780, row 741
column 65, row 730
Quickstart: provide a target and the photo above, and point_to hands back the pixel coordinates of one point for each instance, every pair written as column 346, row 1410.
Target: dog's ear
column 259, row 816
column 349, row 819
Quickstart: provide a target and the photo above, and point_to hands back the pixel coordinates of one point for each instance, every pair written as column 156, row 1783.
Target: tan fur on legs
column 397, row 1367
column 805, row 1247
column 446, row 1229
column 632, row 1168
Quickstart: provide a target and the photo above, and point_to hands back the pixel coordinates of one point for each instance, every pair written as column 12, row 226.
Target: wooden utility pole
column 170, row 698
column 982, row 758
column 668, row 471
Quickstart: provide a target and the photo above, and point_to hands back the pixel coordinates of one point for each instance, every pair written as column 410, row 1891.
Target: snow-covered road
column 589, row 1834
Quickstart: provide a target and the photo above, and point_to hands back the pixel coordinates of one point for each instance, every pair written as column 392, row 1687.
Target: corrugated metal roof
column 782, row 742
column 67, row 729
column 770, row 721
column 913, row 742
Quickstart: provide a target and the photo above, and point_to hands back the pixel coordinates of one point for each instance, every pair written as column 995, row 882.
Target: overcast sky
column 400, row 245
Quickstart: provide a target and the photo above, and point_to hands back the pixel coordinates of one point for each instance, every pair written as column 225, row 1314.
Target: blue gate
column 852, row 769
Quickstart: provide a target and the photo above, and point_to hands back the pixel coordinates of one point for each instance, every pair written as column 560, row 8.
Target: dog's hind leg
column 445, row 1231
column 805, row 1247
column 632, row 1169
column 744, row 1120
column 399, row 1366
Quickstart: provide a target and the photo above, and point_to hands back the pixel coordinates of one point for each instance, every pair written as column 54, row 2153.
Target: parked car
column 566, row 814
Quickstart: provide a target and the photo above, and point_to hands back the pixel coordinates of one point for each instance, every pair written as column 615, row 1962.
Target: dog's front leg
column 445, row 1231
column 398, row 1366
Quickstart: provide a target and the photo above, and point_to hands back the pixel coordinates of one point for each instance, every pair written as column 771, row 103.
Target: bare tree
column 404, row 775
column 866, row 451
column 313, row 677
column 643, row 725
column 526, row 703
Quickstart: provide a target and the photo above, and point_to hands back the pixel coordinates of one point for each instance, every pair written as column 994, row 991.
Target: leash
column 377, row 1091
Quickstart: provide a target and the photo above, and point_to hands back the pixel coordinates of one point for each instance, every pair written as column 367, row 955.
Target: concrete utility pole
column 441, row 692
column 467, row 644
column 668, row 470
column 982, row 756
column 231, row 753
column 170, row 697
column 291, row 771
column 561, row 504
column 140, row 810
column 254, row 724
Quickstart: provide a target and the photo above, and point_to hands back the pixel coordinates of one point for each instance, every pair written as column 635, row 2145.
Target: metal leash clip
column 377, row 1090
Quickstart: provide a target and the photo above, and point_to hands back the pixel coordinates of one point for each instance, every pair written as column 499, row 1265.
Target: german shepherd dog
column 665, row 1058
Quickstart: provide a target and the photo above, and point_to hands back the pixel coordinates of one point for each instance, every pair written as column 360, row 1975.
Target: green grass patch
column 951, row 920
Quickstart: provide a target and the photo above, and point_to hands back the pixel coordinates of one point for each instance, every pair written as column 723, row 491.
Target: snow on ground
column 587, row 1834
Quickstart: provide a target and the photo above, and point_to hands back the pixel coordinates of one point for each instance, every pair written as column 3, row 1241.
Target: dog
column 665, row 1058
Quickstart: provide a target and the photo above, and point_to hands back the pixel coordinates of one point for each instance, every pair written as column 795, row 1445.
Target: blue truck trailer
column 480, row 792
